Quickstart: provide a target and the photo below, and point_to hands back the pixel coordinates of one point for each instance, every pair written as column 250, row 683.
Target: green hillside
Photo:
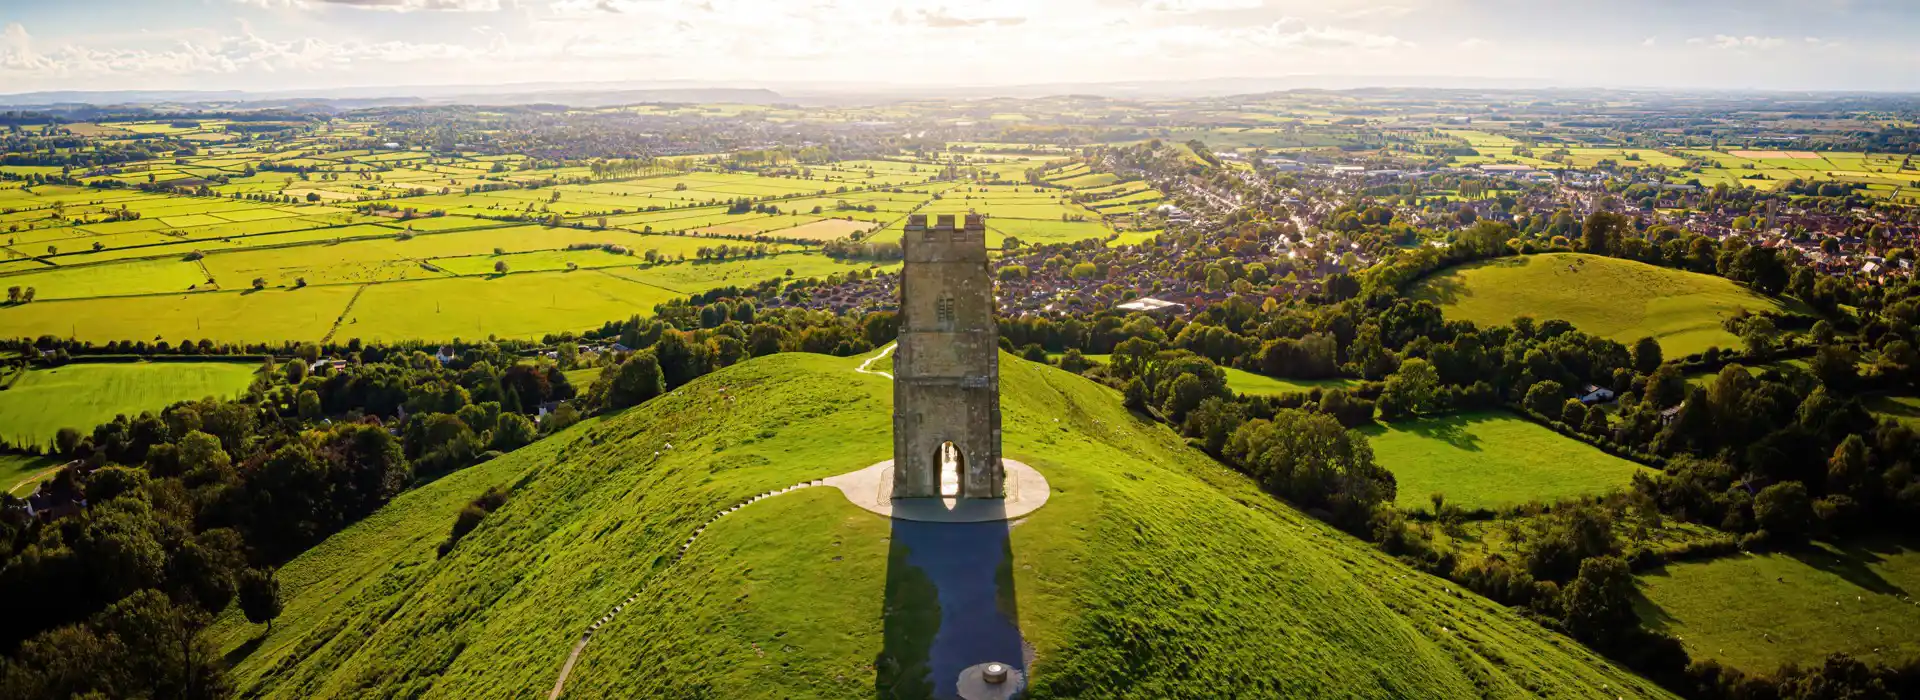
column 1612, row 298
column 1152, row 572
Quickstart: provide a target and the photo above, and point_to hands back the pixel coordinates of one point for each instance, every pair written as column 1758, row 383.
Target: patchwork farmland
column 322, row 238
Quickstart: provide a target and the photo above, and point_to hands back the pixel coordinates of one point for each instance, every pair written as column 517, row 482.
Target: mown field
column 1221, row 590
column 82, row 396
column 1491, row 460
column 1757, row 612
column 1608, row 297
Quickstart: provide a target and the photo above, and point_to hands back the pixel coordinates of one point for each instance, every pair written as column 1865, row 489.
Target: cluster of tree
column 163, row 519
column 724, row 251
column 685, row 342
column 1306, row 454
column 744, row 205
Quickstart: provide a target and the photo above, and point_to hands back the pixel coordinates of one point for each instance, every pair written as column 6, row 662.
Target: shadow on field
column 1444, row 289
column 1651, row 614
column 1450, row 429
column 1850, row 562
column 949, row 605
column 1886, row 406
column 240, row 653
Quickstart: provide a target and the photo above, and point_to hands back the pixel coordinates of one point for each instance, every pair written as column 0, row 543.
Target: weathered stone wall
column 946, row 384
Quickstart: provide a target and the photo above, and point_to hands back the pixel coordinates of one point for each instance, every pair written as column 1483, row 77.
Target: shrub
column 470, row 516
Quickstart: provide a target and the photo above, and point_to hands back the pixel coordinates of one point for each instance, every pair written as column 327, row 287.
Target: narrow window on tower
column 943, row 309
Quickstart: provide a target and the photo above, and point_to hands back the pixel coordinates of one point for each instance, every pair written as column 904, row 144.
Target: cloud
column 1650, row 41
column 223, row 55
column 1724, row 41
column 1474, row 43
column 1292, row 33
column 1378, row 11
column 942, row 18
column 387, row 5
column 1195, row 6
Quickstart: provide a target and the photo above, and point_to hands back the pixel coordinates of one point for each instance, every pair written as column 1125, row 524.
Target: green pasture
column 234, row 316
column 1905, row 409
column 1133, row 238
column 694, row 277
column 1608, row 297
column 1756, row 612
column 135, row 277
column 1246, row 382
column 84, row 395
column 520, row 305
column 21, row 474
column 1492, row 460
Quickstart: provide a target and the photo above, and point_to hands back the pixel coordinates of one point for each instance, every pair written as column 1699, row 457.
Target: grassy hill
column 1152, row 572
column 1492, row 460
column 1612, row 298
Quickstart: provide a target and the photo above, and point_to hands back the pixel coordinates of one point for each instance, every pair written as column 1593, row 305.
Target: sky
column 273, row 45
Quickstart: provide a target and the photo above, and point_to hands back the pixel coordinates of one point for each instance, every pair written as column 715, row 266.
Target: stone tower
column 946, row 387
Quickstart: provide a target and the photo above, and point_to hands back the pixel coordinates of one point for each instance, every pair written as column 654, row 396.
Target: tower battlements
column 945, row 241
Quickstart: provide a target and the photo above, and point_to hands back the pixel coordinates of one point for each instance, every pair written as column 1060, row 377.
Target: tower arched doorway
column 953, row 469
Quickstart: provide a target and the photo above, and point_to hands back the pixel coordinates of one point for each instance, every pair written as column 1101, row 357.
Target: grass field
column 1905, row 409
column 1210, row 587
column 411, row 302
column 1259, row 384
column 513, row 306
column 85, row 395
column 1757, row 612
column 1608, row 297
column 21, row 474
column 1492, row 460
column 120, row 262
column 266, row 316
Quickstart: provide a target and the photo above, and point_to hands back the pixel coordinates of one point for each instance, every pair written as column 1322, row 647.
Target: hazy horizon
column 316, row 45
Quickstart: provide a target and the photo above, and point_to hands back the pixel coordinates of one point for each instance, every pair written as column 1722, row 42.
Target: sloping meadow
column 1152, row 572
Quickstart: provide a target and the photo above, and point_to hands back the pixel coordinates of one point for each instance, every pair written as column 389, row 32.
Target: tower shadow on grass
column 949, row 605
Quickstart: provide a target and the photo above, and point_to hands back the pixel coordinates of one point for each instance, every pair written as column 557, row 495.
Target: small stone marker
column 990, row 681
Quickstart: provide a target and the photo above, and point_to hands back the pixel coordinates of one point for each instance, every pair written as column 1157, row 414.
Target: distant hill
column 1152, row 572
column 576, row 96
column 600, row 93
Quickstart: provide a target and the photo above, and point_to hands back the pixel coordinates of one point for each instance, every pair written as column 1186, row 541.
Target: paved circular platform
column 973, row 684
column 872, row 489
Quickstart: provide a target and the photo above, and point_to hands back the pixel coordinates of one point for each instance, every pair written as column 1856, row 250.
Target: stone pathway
column 567, row 669
column 869, row 363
